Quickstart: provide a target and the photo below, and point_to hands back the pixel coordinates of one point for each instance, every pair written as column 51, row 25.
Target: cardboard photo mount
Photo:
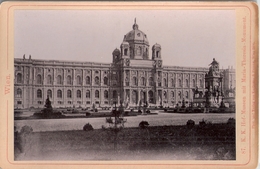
column 246, row 83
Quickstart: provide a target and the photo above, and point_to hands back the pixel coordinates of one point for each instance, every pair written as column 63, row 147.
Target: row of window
column 69, row 80
column 97, row 81
column 69, row 102
column 69, row 94
column 97, row 95
column 151, row 82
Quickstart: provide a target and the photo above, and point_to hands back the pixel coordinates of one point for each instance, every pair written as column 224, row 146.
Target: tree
column 116, row 122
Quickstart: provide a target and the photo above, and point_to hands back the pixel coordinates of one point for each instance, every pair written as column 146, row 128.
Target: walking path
column 132, row 121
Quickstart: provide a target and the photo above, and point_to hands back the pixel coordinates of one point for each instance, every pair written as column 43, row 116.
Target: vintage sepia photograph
column 124, row 85
column 129, row 85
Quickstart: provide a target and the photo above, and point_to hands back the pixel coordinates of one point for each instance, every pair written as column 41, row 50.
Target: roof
column 136, row 35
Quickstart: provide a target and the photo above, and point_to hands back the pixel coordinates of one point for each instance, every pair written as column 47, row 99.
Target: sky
column 189, row 38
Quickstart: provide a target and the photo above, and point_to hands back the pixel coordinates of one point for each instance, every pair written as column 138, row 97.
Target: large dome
column 136, row 36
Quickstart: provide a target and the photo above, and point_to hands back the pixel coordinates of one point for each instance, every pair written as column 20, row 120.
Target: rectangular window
column 39, row 102
column 88, row 102
column 19, row 102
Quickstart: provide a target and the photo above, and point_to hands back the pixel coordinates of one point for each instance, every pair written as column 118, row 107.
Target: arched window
column 39, row 93
column 143, row 81
column 165, row 82
column 59, row 80
column 49, row 79
column 125, row 52
column 187, row 83
column 19, row 93
column 157, row 54
column 165, row 94
column 69, row 94
column 39, row 79
column 139, row 51
column 193, row 83
column 135, row 81
column 187, row 94
column 172, row 94
column 150, row 81
column 201, row 83
column 96, row 94
column 87, row 94
column 88, row 80
column 173, row 83
column 59, row 94
column 180, row 83
column 49, row 93
column 69, row 81
column 78, row 80
column 96, row 80
column 134, row 97
column 78, row 94
column 179, row 95
column 19, row 78
column 114, row 94
column 105, row 81
column 106, row 94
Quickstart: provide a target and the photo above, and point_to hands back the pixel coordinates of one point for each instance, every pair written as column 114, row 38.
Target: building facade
column 132, row 77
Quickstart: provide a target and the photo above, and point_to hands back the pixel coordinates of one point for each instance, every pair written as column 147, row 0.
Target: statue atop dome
column 135, row 26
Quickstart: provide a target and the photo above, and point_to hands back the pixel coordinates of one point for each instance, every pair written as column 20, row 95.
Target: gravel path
column 133, row 121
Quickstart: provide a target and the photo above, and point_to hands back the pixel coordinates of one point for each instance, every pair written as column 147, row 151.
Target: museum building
column 132, row 77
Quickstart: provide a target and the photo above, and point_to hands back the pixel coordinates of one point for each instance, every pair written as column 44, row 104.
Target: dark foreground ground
column 200, row 142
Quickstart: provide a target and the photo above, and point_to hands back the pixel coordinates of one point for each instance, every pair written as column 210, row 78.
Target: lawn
column 200, row 142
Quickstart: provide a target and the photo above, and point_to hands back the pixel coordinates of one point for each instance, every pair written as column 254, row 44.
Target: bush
column 190, row 123
column 26, row 130
column 87, row 114
column 231, row 121
column 88, row 127
column 126, row 113
column 75, row 111
column 143, row 124
column 202, row 123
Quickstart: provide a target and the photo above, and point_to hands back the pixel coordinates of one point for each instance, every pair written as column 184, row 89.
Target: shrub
column 190, row 123
column 87, row 114
column 231, row 121
column 75, row 111
column 88, row 127
column 202, row 123
column 26, row 130
column 126, row 113
column 143, row 124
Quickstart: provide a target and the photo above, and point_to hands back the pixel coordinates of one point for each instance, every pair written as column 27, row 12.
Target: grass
column 210, row 142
